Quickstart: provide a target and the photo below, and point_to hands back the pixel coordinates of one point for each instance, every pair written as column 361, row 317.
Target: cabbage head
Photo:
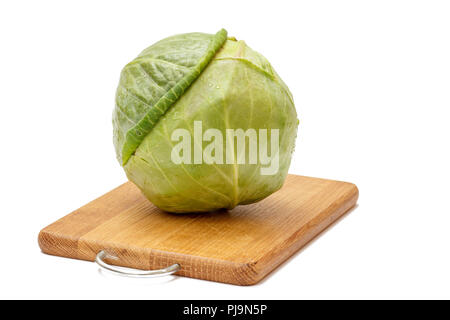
column 178, row 88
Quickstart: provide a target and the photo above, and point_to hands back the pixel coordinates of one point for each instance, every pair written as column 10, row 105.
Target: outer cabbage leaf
column 154, row 81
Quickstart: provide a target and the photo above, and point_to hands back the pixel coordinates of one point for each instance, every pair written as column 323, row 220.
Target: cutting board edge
column 236, row 273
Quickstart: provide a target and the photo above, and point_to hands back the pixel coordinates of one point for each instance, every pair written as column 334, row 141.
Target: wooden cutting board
column 240, row 246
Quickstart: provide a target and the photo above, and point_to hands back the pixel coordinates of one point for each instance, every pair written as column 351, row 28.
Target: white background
column 371, row 82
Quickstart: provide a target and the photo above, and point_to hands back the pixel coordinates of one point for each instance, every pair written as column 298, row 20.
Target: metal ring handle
column 133, row 272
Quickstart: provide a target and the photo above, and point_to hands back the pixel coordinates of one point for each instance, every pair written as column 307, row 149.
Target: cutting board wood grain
column 240, row 246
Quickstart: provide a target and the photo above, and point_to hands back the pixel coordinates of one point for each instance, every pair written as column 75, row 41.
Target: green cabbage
column 194, row 82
